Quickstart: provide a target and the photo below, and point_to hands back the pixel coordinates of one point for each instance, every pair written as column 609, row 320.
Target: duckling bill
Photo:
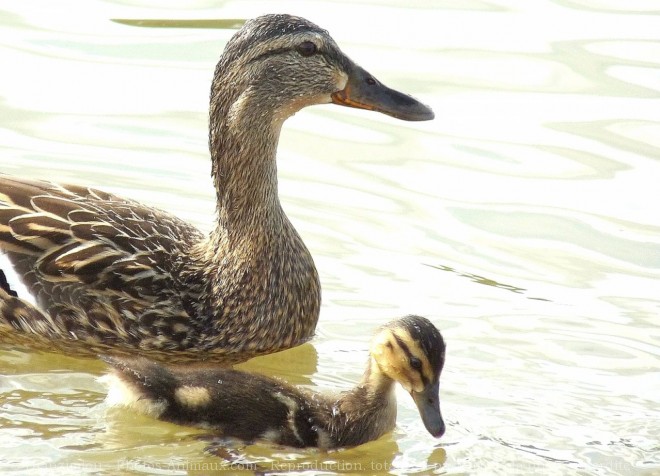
column 250, row 407
column 106, row 271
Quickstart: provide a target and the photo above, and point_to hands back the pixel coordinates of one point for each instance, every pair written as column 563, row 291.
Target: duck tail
column 140, row 384
column 4, row 285
column 16, row 314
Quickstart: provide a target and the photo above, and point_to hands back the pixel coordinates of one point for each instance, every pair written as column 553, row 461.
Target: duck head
column 282, row 63
column 411, row 351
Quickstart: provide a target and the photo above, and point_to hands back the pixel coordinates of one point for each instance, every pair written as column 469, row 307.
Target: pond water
column 523, row 221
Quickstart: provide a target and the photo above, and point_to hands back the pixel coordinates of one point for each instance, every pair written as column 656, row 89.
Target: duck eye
column 415, row 363
column 306, row 48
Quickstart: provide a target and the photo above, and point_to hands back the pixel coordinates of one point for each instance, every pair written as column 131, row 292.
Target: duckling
column 250, row 407
column 109, row 271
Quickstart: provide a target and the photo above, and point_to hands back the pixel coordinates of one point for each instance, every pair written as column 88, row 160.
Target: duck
column 253, row 408
column 108, row 272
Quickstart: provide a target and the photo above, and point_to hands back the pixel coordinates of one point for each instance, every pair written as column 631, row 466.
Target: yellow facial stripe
column 411, row 348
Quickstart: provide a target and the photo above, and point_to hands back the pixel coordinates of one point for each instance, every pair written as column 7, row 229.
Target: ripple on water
column 522, row 221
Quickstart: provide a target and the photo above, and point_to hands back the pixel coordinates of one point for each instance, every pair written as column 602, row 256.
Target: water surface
column 522, row 221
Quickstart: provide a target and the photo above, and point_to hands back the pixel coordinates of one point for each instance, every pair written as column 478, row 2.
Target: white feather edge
column 14, row 281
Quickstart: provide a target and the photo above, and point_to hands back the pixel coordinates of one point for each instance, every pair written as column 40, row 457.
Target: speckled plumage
column 253, row 407
column 108, row 271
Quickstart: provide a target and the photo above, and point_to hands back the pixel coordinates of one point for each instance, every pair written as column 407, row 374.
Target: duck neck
column 243, row 142
column 366, row 412
column 377, row 384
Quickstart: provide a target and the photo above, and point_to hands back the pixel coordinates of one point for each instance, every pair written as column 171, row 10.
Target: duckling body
column 109, row 271
column 253, row 407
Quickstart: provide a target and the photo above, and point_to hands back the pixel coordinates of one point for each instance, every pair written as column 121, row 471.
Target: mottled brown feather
column 250, row 286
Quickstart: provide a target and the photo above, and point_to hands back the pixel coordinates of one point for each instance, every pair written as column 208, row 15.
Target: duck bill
column 363, row 91
column 428, row 404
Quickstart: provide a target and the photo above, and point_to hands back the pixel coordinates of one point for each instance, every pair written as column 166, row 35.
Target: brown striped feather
column 40, row 230
column 106, row 273
column 99, row 264
column 84, row 215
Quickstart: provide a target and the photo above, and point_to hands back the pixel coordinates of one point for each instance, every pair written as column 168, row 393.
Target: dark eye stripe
column 278, row 51
column 409, row 355
column 403, row 346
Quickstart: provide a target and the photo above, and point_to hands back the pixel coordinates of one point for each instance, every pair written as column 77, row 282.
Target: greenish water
column 523, row 222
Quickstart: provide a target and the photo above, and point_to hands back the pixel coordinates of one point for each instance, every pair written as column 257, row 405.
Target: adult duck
column 109, row 271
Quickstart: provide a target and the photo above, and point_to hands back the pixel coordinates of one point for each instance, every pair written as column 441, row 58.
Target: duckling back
column 236, row 404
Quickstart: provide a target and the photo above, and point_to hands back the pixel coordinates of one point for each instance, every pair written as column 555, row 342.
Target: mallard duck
column 109, row 271
column 410, row 351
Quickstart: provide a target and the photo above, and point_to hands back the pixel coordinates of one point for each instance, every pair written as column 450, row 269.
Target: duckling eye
column 415, row 363
column 306, row 48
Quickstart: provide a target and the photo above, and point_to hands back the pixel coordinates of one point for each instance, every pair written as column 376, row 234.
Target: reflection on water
column 538, row 178
column 482, row 280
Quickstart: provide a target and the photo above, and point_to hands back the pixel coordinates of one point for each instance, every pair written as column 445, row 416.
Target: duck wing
column 64, row 240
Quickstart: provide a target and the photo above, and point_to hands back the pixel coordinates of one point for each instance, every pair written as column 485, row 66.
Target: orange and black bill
column 366, row 92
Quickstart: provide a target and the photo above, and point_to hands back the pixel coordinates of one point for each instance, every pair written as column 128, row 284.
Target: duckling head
column 411, row 351
column 278, row 64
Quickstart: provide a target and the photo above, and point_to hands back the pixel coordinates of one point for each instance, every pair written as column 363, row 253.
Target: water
column 523, row 221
